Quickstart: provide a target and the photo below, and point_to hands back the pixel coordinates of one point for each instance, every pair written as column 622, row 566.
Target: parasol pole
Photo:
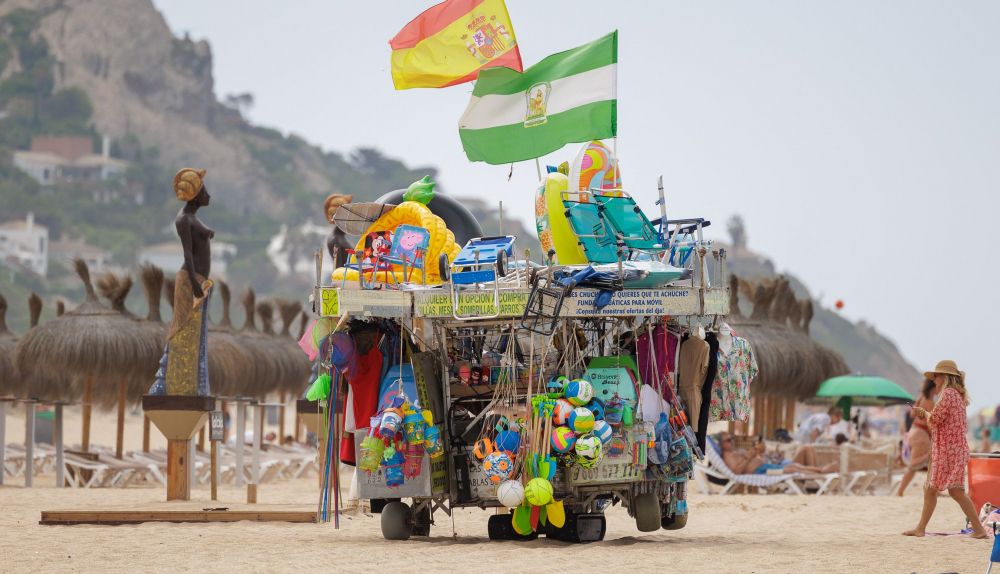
column 88, row 394
column 120, row 437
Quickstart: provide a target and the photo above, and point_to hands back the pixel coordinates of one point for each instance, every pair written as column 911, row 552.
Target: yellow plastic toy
column 409, row 213
column 554, row 231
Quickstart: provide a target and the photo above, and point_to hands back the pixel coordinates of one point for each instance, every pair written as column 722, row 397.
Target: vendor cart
column 488, row 390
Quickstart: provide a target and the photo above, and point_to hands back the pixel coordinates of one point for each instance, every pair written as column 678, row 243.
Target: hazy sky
column 860, row 140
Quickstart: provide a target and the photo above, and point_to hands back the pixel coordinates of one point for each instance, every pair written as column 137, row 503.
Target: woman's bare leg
column 907, row 478
column 969, row 509
column 930, row 501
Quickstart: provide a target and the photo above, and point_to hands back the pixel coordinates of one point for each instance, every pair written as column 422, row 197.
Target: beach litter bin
column 984, row 479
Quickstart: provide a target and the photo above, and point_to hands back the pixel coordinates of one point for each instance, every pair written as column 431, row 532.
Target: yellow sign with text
column 329, row 303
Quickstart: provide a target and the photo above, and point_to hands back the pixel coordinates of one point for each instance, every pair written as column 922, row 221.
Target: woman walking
column 949, row 448
column 918, row 438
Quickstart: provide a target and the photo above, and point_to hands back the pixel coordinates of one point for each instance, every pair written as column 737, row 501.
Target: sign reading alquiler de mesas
column 512, row 304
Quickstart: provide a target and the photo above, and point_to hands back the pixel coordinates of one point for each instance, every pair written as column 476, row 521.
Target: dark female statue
column 337, row 244
column 184, row 366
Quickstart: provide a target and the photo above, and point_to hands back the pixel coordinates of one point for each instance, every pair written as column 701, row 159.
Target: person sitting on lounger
column 752, row 461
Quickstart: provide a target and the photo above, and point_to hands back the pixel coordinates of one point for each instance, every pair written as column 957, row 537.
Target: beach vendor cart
column 479, row 406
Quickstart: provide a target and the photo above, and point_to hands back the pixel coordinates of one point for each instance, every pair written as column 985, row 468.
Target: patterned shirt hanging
column 731, row 388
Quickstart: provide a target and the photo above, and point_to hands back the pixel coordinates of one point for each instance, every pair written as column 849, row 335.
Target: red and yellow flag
column 450, row 42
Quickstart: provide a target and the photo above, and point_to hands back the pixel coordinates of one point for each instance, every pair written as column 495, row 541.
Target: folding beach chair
column 409, row 246
column 371, row 260
column 715, row 467
column 595, row 236
column 629, row 223
column 483, row 260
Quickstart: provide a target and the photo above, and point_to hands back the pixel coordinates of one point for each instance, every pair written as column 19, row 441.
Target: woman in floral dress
column 950, row 447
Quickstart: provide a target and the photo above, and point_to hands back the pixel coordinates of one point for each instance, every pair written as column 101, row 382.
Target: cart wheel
column 674, row 521
column 646, row 508
column 499, row 527
column 502, row 263
column 396, row 521
column 421, row 522
column 443, row 264
column 579, row 528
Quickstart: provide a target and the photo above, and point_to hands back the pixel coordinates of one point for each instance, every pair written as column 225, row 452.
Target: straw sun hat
column 188, row 183
column 946, row 367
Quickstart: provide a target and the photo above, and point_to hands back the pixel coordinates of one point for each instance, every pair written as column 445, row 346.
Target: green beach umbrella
column 862, row 391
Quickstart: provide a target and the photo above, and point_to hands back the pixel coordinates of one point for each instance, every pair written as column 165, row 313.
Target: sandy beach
column 743, row 533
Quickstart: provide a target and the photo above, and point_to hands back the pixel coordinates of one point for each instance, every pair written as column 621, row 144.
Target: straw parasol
column 8, row 340
column 231, row 370
column 298, row 361
column 257, row 345
column 285, row 365
column 91, row 342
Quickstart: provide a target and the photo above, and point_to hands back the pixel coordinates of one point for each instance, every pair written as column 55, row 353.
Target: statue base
column 178, row 417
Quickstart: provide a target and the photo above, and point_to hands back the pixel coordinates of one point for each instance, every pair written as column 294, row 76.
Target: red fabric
column 950, row 448
column 984, row 481
column 364, row 383
column 663, row 344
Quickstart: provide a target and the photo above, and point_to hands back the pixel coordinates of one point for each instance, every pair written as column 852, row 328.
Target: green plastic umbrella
column 862, row 391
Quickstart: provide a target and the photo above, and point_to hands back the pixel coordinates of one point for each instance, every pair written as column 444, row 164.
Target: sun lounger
column 715, row 466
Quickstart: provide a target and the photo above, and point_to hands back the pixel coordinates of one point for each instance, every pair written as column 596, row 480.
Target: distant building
column 169, row 256
column 25, row 244
column 66, row 250
column 53, row 160
column 291, row 250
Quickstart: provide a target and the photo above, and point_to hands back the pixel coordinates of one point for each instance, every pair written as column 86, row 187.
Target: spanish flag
column 450, row 42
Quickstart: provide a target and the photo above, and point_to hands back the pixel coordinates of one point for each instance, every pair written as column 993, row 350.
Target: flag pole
column 538, row 168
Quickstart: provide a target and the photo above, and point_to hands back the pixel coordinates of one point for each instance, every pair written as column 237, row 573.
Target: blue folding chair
column 629, row 222
column 482, row 260
column 595, row 236
column 409, row 245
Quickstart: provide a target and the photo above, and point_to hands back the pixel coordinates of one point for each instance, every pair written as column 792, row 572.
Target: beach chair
column 409, row 246
column 629, row 223
column 483, row 260
column 83, row 473
column 714, row 466
column 867, row 469
column 596, row 237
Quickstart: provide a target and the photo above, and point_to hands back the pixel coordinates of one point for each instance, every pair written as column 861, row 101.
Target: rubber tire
column 444, row 267
column 646, row 508
column 499, row 527
column 396, row 521
column 570, row 531
column 674, row 521
column 502, row 263
column 421, row 522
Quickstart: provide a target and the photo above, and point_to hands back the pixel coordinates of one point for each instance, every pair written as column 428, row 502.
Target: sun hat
column 946, row 367
column 188, row 182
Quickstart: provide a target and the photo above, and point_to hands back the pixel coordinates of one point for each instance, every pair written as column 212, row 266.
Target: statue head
column 189, row 186
column 333, row 201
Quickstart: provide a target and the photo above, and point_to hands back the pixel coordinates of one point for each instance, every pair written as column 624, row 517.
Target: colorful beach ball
column 579, row 392
column 508, row 440
column 510, row 493
column 563, row 439
column 581, row 420
column 483, row 448
column 588, row 451
column 497, row 467
column 603, row 431
column 561, row 412
column 538, row 492
column 554, row 388
column 596, row 406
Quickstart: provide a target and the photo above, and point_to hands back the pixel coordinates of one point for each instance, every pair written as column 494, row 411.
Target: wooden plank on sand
column 115, row 517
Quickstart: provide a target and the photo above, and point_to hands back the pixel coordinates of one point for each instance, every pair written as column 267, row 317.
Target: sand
column 743, row 533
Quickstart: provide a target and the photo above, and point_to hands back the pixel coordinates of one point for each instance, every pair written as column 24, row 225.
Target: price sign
column 216, row 426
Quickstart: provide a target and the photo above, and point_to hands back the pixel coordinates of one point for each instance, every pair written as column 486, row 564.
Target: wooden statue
column 336, row 243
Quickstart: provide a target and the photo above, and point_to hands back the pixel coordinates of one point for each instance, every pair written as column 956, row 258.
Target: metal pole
column 3, row 439
column 60, row 454
column 241, row 429
column 501, row 217
column 29, row 443
column 258, row 426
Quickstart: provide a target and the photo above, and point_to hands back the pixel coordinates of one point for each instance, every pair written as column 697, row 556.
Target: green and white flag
column 567, row 97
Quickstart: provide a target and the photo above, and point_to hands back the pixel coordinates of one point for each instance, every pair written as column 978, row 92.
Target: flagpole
column 538, row 168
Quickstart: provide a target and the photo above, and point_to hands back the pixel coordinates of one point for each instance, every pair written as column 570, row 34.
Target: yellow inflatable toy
column 442, row 240
column 554, row 231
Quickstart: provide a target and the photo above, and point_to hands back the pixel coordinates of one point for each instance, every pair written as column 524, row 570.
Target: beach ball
column 588, row 451
column 602, row 430
column 510, row 493
column 581, row 420
column 561, row 412
column 497, row 466
column 538, row 492
column 579, row 392
column 508, row 440
column 563, row 439
column 554, row 388
column 482, row 448
column 596, row 406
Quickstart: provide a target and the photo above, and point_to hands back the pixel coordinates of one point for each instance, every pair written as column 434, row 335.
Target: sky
column 859, row 140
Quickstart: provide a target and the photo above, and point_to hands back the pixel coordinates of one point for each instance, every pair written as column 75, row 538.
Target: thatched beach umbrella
column 116, row 289
column 283, row 362
column 89, row 343
column 298, row 376
column 257, row 345
column 231, row 369
column 8, row 340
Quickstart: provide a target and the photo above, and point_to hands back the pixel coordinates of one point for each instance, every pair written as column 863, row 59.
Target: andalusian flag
column 567, row 97
column 450, row 42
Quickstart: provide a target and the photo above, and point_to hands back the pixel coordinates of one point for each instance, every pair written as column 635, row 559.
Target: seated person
column 814, row 427
column 752, row 461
